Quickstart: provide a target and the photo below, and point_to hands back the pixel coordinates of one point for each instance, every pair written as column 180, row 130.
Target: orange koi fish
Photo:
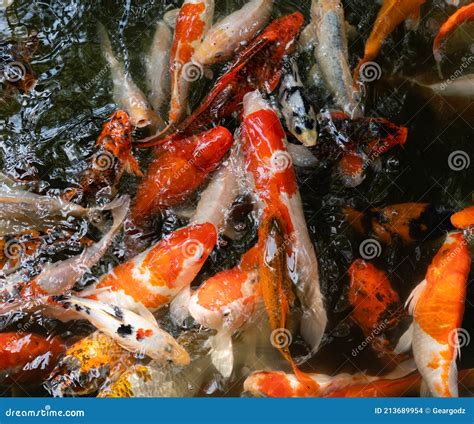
column 377, row 307
column 464, row 219
column 408, row 222
column 391, row 14
column 397, row 384
column 257, row 66
column 113, row 156
column 282, row 385
column 225, row 303
column 179, row 168
column 193, row 21
column 437, row 306
column 87, row 365
column 462, row 15
column 28, row 358
column 269, row 163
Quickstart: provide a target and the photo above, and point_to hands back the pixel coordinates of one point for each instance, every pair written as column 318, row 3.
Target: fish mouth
column 142, row 123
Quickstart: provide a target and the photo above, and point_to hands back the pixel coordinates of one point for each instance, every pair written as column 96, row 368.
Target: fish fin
column 313, row 324
column 457, row 345
column 222, row 353
column 414, row 297
column 425, row 391
column 141, row 310
column 179, row 306
column 405, row 341
column 132, row 166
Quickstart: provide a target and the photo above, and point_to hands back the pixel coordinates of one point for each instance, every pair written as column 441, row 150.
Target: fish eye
column 298, row 130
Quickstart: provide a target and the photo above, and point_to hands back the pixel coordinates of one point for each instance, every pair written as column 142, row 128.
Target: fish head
column 213, row 49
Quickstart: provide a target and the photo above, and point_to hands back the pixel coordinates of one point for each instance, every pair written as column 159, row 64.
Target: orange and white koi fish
column 233, row 32
column 437, row 306
column 269, row 163
column 177, row 171
column 127, row 95
column 193, row 21
column 408, row 222
column 156, row 276
column 87, row 365
column 157, row 67
column 464, row 219
column 331, row 52
column 135, row 333
column 377, row 307
column 391, row 14
column 282, row 385
column 225, row 303
column 28, row 358
column 258, row 66
column 462, row 15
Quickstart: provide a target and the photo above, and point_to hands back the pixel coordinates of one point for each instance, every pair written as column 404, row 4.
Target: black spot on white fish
column 168, row 348
column 125, row 330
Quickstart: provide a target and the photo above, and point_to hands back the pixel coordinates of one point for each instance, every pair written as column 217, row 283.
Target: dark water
column 48, row 135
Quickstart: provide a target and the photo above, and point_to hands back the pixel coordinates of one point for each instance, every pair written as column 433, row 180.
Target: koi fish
column 156, row 276
column 130, row 383
column 27, row 358
column 112, row 157
column 127, row 95
column 462, row 15
column 282, row 385
column 224, row 303
column 257, row 66
column 135, row 333
column 178, row 170
column 157, row 67
column 233, row 32
column 437, row 307
column 22, row 210
column 396, row 384
column 87, row 365
column 464, row 219
column 377, row 307
column 331, row 53
column 268, row 161
column 297, row 110
column 16, row 72
column 193, row 21
column 59, row 277
column 459, row 87
column 391, row 14
column 408, row 222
